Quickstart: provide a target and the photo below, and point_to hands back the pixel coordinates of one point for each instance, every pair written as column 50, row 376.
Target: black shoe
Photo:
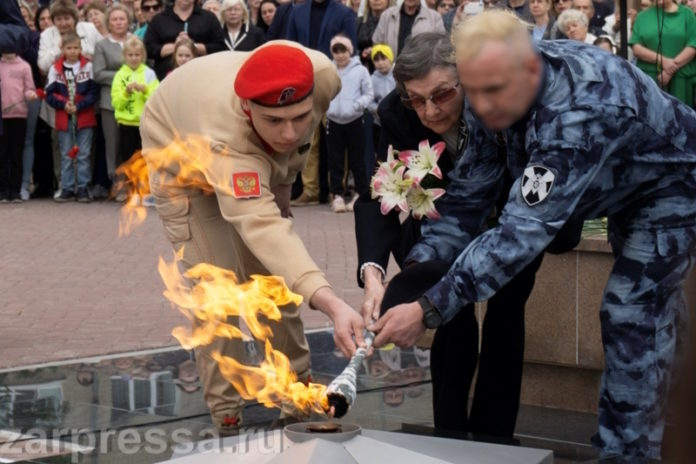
column 83, row 195
column 4, row 197
column 15, row 198
column 65, row 196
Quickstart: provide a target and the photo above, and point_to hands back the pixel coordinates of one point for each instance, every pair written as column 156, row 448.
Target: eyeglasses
column 150, row 7
column 438, row 98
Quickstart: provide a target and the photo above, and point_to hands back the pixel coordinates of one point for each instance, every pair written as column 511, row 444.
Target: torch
column 342, row 391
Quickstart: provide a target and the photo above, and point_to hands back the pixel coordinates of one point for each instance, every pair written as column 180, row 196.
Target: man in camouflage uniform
column 587, row 135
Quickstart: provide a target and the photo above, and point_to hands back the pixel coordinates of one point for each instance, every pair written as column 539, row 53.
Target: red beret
column 275, row 75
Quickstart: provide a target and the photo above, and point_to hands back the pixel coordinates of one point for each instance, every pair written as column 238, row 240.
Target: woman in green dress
column 664, row 42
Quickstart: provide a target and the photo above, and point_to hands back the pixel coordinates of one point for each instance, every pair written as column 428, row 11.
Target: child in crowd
column 606, row 43
column 344, row 128
column 132, row 86
column 71, row 90
column 184, row 51
column 16, row 86
column 382, row 82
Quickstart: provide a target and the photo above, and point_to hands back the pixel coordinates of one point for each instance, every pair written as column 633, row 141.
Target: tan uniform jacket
column 247, row 235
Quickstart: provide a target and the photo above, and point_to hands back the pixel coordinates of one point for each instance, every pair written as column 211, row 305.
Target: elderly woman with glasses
column 575, row 25
column 427, row 105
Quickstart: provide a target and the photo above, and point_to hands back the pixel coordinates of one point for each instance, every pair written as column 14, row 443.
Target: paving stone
column 72, row 288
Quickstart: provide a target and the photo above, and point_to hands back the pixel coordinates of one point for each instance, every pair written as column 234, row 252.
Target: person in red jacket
column 72, row 91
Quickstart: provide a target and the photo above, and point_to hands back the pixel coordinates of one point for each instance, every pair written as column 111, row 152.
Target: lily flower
column 389, row 184
column 423, row 161
column 422, row 201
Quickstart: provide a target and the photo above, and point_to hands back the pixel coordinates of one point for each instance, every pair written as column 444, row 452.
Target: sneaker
column 351, row 203
column 83, row 195
column 338, row 205
column 57, row 193
column 305, row 200
column 65, row 196
column 99, row 192
column 24, row 194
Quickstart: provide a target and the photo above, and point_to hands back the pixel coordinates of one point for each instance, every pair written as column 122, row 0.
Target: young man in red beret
column 257, row 111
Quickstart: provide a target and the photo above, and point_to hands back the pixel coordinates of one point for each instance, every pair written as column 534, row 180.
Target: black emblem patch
column 536, row 184
column 286, row 95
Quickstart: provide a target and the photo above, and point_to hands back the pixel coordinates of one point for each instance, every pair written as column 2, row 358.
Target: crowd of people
column 662, row 40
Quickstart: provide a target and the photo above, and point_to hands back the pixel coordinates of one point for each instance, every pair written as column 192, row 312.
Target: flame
column 189, row 160
column 209, row 295
column 137, row 183
column 273, row 382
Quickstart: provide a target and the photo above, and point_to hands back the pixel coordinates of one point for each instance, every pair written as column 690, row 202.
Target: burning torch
column 341, row 392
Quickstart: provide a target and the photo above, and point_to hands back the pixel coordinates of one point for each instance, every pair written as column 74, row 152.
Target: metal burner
column 304, row 431
column 324, row 427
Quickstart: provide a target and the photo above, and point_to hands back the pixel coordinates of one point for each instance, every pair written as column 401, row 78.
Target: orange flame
column 138, row 183
column 209, row 295
column 273, row 382
column 189, row 161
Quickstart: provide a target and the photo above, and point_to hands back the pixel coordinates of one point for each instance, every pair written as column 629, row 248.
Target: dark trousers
column 376, row 133
column 339, row 139
column 497, row 393
column 455, row 353
column 11, row 151
column 129, row 142
column 323, row 167
column 99, row 171
column 44, row 179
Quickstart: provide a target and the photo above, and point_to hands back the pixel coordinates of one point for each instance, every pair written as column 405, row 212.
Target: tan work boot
column 227, row 424
column 305, row 200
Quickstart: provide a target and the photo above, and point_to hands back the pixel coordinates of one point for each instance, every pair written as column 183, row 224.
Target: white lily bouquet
column 410, row 181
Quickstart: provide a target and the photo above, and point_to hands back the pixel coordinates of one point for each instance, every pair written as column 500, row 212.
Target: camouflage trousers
column 643, row 317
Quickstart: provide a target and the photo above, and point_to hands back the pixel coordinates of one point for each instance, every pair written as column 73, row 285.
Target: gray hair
column 571, row 16
column 227, row 4
column 421, row 54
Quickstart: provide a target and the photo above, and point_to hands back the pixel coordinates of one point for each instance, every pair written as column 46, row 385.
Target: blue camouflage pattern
column 616, row 146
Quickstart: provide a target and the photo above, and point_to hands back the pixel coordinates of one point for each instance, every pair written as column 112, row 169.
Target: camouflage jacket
column 601, row 139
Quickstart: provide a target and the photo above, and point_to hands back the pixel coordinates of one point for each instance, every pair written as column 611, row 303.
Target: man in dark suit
column 279, row 27
column 313, row 24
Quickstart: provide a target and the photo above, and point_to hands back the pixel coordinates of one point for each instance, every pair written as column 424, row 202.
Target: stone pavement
column 70, row 288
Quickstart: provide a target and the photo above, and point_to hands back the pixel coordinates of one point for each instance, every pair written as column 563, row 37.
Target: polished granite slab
column 138, row 408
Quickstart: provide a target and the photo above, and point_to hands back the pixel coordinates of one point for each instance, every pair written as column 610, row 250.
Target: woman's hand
column 374, row 292
column 348, row 325
column 669, row 66
column 663, row 79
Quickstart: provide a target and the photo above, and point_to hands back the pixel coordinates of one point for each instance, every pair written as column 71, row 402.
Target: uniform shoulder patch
column 537, row 182
column 246, row 184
